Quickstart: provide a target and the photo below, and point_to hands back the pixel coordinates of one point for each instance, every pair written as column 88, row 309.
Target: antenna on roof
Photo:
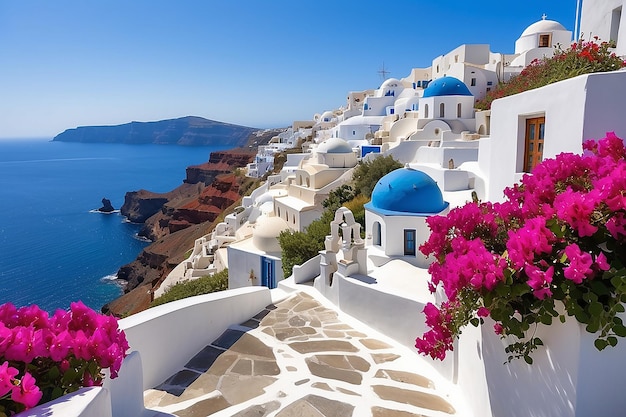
column 383, row 72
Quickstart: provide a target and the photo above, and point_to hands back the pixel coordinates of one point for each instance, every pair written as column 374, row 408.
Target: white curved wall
column 167, row 336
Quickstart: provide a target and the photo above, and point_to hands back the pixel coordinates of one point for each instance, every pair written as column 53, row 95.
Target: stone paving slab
column 298, row 359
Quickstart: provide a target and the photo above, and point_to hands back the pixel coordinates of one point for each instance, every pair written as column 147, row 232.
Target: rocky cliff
column 190, row 131
column 176, row 219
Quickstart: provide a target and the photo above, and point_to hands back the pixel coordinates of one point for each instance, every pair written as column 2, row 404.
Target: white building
column 604, row 19
column 328, row 167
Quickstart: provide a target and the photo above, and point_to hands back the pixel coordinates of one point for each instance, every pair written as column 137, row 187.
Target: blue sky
column 257, row 63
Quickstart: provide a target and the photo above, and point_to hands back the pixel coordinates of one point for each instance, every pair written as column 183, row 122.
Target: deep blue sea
column 54, row 249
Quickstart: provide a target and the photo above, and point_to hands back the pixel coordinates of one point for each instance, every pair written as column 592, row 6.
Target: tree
column 367, row 174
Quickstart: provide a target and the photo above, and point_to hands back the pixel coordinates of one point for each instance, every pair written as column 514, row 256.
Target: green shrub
column 203, row 285
column 367, row 174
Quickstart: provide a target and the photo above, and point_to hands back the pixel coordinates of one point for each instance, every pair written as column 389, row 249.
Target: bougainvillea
column 43, row 357
column 560, row 237
column 582, row 57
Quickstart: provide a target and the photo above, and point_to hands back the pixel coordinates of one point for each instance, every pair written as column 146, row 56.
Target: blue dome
column 446, row 86
column 407, row 191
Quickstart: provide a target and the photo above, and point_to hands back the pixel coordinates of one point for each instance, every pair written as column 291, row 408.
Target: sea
column 55, row 247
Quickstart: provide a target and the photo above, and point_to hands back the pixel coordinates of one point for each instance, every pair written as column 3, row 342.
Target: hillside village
column 374, row 282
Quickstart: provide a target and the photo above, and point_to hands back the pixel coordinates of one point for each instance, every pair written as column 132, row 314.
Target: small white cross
column 543, row 16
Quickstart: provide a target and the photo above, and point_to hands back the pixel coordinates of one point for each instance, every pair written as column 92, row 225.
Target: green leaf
column 595, row 308
column 562, row 318
column 619, row 330
column 528, row 359
column 546, row 319
column 538, row 341
column 56, row 393
column 599, row 287
column 612, row 340
column 475, row 322
column 581, row 316
column 593, row 327
column 600, row 344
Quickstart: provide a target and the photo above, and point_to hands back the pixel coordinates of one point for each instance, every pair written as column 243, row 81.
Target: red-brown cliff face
column 186, row 214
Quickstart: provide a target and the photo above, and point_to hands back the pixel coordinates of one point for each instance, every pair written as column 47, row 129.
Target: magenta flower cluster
column 45, row 356
column 559, row 237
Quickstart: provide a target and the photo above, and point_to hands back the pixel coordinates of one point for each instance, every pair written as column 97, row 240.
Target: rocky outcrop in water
column 188, row 131
column 107, row 207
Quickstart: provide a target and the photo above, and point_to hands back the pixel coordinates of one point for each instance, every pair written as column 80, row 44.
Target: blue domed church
column 395, row 218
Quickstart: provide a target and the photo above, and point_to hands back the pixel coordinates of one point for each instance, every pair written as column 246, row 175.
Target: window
column 354, row 133
column 409, row 242
column 488, row 89
column 442, row 110
column 426, row 111
column 544, row 41
column 489, row 82
column 366, row 106
column 533, row 150
column 616, row 16
column 458, row 110
column 392, row 110
column 377, row 234
column 473, row 82
column 456, row 59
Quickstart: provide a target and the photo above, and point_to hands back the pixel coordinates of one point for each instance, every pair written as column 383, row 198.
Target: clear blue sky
column 257, row 63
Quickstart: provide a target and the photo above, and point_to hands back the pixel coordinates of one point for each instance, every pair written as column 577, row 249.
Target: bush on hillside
column 367, row 174
column 203, row 285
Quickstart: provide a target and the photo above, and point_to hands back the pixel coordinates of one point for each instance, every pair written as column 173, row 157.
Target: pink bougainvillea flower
column 80, row 346
column 88, row 380
column 6, row 338
column 27, row 392
column 24, row 347
column 483, row 312
column 602, row 263
column 59, row 321
column 533, row 238
column 32, row 316
column 576, row 208
column 64, row 365
column 60, row 346
column 616, row 226
column 83, row 318
column 7, row 375
column 580, row 264
column 497, row 328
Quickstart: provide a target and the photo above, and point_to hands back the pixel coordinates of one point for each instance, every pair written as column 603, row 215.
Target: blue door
column 268, row 277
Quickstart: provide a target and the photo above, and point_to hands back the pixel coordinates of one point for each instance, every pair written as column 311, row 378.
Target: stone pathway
column 297, row 358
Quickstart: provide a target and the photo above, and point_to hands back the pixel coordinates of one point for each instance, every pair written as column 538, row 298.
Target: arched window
column 426, row 111
column 377, row 234
column 442, row 110
column 458, row 110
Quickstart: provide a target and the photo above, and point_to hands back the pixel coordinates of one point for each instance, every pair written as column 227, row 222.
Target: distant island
column 187, row 131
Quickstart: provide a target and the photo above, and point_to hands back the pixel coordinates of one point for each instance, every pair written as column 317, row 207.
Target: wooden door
column 533, row 153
